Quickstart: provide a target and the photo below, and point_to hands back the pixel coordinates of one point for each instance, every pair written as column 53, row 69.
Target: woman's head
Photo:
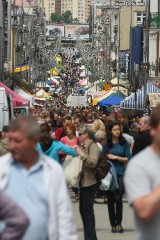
column 70, row 128
column 100, row 136
column 85, row 134
column 115, row 132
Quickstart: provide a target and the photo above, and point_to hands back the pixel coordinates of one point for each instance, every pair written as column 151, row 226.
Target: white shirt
column 61, row 224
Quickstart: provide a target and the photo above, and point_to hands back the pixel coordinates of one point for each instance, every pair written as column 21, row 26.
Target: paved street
column 102, row 223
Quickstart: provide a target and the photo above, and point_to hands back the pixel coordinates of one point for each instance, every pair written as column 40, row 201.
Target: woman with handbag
column 118, row 152
column 88, row 183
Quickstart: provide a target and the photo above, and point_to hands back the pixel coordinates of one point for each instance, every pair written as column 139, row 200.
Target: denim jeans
column 87, row 196
column 115, row 203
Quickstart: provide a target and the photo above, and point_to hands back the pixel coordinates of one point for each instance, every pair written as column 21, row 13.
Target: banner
column 52, row 30
column 72, row 31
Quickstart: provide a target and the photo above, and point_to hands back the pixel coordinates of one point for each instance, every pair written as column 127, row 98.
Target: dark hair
column 109, row 134
column 68, row 118
column 125, row 128
column 155, row 117
column 45, row 137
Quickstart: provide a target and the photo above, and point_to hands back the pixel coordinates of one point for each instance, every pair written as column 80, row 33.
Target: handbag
column 102, row 169
column 106, row 182
column 72, row 167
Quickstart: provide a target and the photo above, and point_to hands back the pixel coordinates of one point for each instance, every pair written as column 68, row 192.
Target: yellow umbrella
column 53, row 71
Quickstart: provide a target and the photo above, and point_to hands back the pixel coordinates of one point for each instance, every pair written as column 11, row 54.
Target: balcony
column 154, row 20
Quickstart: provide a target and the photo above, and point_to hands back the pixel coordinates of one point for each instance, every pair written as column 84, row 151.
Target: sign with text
column 72, row 31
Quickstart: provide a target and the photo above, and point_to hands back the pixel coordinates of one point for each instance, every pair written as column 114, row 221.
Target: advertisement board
column 52, row 30
column 72, row 31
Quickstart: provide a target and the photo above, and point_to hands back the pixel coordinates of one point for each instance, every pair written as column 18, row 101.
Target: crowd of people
column 84, row 132
column 34, row 197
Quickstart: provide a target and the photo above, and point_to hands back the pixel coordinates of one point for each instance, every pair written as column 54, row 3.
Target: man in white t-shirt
column 142, row 182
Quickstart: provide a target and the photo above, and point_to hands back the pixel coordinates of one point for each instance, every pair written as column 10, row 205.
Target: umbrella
column 50, row 82
column 104, row 96
column 118, row 94
column 110, row 101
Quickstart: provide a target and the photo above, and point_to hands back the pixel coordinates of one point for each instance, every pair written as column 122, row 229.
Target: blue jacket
column 122, row 150
column 55, row 148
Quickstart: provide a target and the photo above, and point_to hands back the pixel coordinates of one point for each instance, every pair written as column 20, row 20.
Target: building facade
column 80, row 9
column 130, row 16
column 49, row 6
column 58, row 6
column 154, row 39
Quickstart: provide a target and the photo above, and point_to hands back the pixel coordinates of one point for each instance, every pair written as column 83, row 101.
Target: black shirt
column 142, row 141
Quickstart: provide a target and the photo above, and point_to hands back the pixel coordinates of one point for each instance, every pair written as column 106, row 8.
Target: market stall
column 17, row 100
column 139, row 98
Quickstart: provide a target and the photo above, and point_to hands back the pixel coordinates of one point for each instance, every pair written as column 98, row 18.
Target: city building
column 87, row 9
column 80, row 9
column 58, row 6
column 49, row 6
column 130, row 16
column 154, row 39
column 5, row 36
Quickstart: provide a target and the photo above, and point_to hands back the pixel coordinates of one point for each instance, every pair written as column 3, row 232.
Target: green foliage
column 56, row 18
column 75, row 20
column 66, row 17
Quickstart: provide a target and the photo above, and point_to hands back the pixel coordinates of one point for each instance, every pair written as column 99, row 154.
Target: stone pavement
column 102, row 223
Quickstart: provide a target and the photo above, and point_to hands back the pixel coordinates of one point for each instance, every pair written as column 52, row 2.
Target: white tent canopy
column 25, row 95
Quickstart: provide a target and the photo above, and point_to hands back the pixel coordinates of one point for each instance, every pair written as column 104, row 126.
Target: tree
column 67, row 17
column 56, row 18
column 75, row 20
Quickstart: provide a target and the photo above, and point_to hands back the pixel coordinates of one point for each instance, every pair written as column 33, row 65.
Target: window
column 140, row 18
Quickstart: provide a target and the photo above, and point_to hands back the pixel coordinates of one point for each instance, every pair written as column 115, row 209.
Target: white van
column 6, row 108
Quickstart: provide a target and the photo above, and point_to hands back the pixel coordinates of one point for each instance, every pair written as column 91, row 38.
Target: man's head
column 68, row 119
column 56, row 116
column 144, row 123
column 23, row 134
column 4, row 133
column 135, row 126
column 77, row 122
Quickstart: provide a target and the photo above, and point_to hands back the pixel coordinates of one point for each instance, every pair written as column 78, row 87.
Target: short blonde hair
column 100, row 135
column 98, row 125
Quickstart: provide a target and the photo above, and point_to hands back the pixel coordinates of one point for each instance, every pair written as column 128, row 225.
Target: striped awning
column 129, row 102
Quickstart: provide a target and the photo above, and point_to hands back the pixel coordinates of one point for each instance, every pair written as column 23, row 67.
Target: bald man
column 144, row 138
